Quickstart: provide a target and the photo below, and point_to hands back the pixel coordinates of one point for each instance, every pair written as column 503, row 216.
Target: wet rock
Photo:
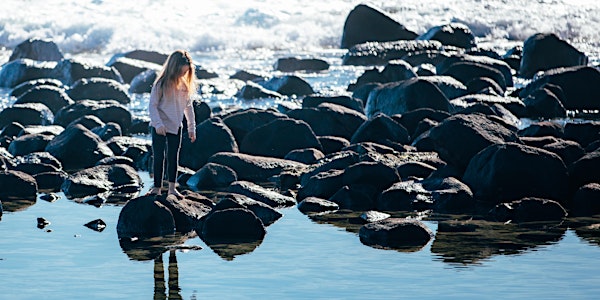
column 316, row 205
column 544, row 51
column 264, row 212
column 116, row 160
column 51, row 180
column 37, row 49
column 293, row 64
column 403, row 196
column 212, row 136
column 357, row 197
column 453, row 34
column 372, row 216
column 378, row 53
column 529, row 210
column 381, row 27
column 212, row 176
column 99, row 179
column 97, row 225
column 279, row 137
column 395, row 233
column 306, row 156
column 142, row 82
column 99, row 89
column 15, row 185
column 107, row 131
column 130, row 68
column 21, row 70
column 26, row 114
column 145, row 217
column 506, row 172
column 254, row 168
column 106, row 110
column 404, row 96
column 321, row 185
column 257, row 192
column 187, row 213
column 585, row 170
column 29, row 143
column 395, row 70
column 71, row 71
column 330, row 119
column 288, row 85
column 78, row 148
column 53, row 97
column 383, row 130
column 579, row 85
column 20, row 89
column 346, row 101
column 232, row 225
column 586, row 201
column 458, row 138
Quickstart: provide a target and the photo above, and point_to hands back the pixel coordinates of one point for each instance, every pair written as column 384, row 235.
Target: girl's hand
column 162, row 130
column 192, row 135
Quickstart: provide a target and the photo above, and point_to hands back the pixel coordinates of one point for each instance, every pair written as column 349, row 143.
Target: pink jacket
column 168, row 110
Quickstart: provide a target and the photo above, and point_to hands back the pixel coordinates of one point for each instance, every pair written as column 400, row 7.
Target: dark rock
column 585, row 170
column 372, row 216
column 538, row 142
column 348, row 102
column 254, row 90
column 529, row 210
column 404, row 96
column 16, row 185
column 453, row 34
column 316, row 205
column 212, row 176
column 202, row 111
column 466, row 71
column 37, row 49
column 332, row 144
column 247, row 76
column 256, row 192
column 105, row 110
column 478, row 60
column 202, row 73
column 145, row 217
column 116, row 160
column 50, row 130
column 26, row 114
column 108, row 131
column 395, row 70
column 514, row 107
column 118, row 179
column 543, row 103
column 142, row 82
column 357, row 197
column 29, row 143
column 78, row 148
column 414, row 169
column 450, row 195
column 264, row 212
column 187, row 213
column 254, row 168
column 584, row 133
column 88, row 121
column 99, row 89
column 449, row 85
column 143, row 55
column 53, row 97
column 569, row 151
column 306, row 156
column 50, row 181
column 403, row 196
column 544, row 51
column 378, row 53
column 507, row 172
column 22, row 70
column 20, row 89
column 321, row 185
column 410, row 120
column 71, row 71
column 484, row 85
column 97, row 225
column 376, row 174
column 541, row 129
column 395, row 233
column 129, row 68
column 232, row 225
column 458, row 138
column 244, row 121
column 366, row 24
column 586, row 201
column 293, row 64
column 330, row 119
column 288, row 85
column 212, row 136
column 279, row 137
column 383, row 130
column 513, row 57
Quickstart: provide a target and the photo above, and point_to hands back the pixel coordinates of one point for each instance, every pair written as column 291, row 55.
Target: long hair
column 170, row 77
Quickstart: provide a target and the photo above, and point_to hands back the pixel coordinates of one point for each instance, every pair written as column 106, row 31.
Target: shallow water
column 298, row 258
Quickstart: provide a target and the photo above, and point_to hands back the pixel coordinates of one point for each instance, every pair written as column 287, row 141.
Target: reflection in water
column 15, row 205
column 228, row 251
column 588, row 229
column 160, row 289
column 151, row 248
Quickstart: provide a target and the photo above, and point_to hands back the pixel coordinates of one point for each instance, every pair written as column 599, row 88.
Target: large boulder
column 316, row 205
column 145, row 217
column 254, row 168
column 142, row 82
column 243, row 121
column 37, row 49
column 29, row 143
column 376, row 174
column 323, row 184
column 458, row 138
column 585, row 170
column 292, row 64
column 330, row 119
column 99, row 89
column 395, row 70
column 395, row 233
column 510, row 171
column 346, row 101
column 453, row 34
column 529, row 210
column 466, row 72
column 26, row 114
column 70, row 71
column 497, row 64
column 212, row 176
column 23, row 70
column 187, row 214
column 586, row 201
column 379, row 53
column 16, row 185
column 106, row 110
column 212, row 136
column 232, row 225
column 259, row 193
column 129, row 68
column 116, row 179
column 381, row 129
column 401, row 97
column 544, row 51
column 143, row 55
column 53, row 97
column 77, row 148
column 267, row 214
column 288, row 85
column 23, row 87
column 278, row 137
column 368, row 24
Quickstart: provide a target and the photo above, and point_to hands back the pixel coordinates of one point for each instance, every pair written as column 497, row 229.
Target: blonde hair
column 170, row 77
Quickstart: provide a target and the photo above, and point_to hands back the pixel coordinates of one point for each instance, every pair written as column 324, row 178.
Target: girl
column 170, row 100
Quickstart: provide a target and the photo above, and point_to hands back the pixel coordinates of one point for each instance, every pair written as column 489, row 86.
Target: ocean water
column 300, row 257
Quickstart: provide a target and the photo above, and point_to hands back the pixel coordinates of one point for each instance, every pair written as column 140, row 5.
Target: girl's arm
column 191, row 119
column 155, row 120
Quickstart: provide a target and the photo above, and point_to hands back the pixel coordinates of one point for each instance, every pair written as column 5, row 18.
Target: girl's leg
column 158, row 151
column 173, row 146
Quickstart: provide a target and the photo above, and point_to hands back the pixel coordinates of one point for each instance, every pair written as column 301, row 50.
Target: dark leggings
column 165, row 144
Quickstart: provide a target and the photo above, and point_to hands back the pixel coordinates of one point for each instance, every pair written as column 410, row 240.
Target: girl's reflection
column 160, row 290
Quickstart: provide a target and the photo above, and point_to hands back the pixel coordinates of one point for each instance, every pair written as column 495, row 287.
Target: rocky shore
column 433, row 128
